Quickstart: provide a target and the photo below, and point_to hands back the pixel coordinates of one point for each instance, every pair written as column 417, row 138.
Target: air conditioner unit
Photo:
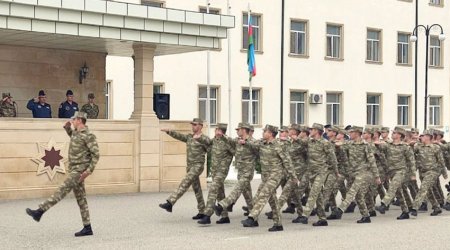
column 316, row 98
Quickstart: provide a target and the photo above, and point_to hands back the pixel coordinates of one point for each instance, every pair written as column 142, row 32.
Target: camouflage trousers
column 428, row 179
column 327, row 192
column 217, row 191
column 243, row 186
column 397, row 178
column 267, row 193
column 371, row 196
column 413, row 188
column 294, row 191
column 406, row 194
column 71, row 183
column 191, row 179
column 339, row 185
column 358, row 190
column 315, row 198
column 438, row 193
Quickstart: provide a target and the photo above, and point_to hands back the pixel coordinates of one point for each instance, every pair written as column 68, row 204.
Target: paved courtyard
column 134, row 221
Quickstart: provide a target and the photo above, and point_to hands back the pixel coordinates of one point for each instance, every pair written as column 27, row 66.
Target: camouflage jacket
column 445, row 148
column 245, row 153
column 360, row 157
column 380, row 159
column 320, row 156
column 273, row 158
column 429, row 158
column 298, row 156
column 195, row 150
column 7, row 110
column 83, row 150
column 222, row 152
column 341, row 158
column 90, row 110
column 399, row 157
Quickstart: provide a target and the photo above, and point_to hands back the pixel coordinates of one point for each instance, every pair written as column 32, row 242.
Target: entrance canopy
column 108, row 27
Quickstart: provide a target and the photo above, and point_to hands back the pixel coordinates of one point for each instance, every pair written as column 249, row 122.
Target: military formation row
column 361, row 164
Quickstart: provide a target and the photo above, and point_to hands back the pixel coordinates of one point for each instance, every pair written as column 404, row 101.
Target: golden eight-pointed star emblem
column 50, row 161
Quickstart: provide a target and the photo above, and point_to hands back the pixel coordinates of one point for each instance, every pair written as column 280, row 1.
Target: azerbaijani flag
column 251, row 50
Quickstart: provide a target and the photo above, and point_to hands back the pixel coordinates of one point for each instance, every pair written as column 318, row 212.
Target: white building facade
column 353, row 58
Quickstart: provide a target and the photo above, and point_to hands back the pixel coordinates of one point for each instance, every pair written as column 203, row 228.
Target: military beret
column 384, row 130
column 327, row 126
column 197, row 121
column 79, row 114
column 91, row 96
column 284, row 129
column 356, row 129
column 427, row 132
column 271, row 128
column 317, row 126
column 41, row 93
column 399, row 130
column 376, row 130
column 222, row 126
column 368, row 130
column 4, row 95
column 296, row 127
column 334, row 128
column 69, row 92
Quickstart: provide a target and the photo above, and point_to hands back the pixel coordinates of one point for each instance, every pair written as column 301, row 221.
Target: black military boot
column 246, row 213
column 364, row 220
column 446, row 206
column 327, row 207
column 167, row 206
column 206, row 220
column 320, row 223
column 396, row 203
column 269, row 215
column 373, row 213
column 350, row 208
column 381, row 208
column 314, row 212
column 245, row 208
column 276, row 228
column 413, row 213
column 86, row 231
column 249, row 222
column 199, row 216
column 335, row 215
column 218, row 209
column 225, row 220
column 230, row 208
column 304, row 200
column 36, row 214
column 300, row 219
column 436, row 211
column 403, row 216
column 290, row 209
column 423, row 207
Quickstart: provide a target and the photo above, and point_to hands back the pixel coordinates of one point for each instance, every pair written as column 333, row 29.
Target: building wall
column 352, row 76
column 26, row 70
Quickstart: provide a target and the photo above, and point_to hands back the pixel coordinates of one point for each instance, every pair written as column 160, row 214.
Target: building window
column 373, row 109
column 256, row 24
column 334, row 108
column 214, row 11
column 435, row 111
column 435, row 51
column 403, row 110
column 436, row 2
column 334, row 43
column 403, row 48
column 213, row 103
column 373, row 45
column 256, row 95
column 298, row 37
column 158, row 88
column 153, row 3
column 298, row 107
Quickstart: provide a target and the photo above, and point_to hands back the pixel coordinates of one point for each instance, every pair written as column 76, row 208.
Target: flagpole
column 208, row 82
column 229, row 70
column 250, row 104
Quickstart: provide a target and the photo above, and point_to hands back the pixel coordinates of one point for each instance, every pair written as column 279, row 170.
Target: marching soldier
column 195, row 153
column 39, row 106
column 83, row 157
column 90, row 108
column 7, row 107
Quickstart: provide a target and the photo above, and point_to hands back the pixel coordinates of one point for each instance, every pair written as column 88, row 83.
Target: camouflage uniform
column 7, row 109
column 364, row 170
column 91, row 110
column 401, row 163
column 83, row 156
column 431, row 165
column 222, row 152
column 195, row 153
column 274, row 160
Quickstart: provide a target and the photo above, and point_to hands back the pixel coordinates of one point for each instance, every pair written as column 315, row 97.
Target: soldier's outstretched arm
column 331, row 157
column 372, row 162
column 176, row 135
column 287, row 162
column 410, row 161
column 441, row 162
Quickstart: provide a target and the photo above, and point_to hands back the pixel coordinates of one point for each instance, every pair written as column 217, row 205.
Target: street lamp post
column 413, row 38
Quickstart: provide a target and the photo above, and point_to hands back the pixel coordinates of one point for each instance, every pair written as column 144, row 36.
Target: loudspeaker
column 161, row 106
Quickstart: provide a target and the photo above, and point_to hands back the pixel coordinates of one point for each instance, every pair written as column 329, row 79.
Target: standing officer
column 83, row 157
column 90, row 108
column 222, row 151
column 195, row 154
column 7, row 107
column 39, row 106
column 69, row 107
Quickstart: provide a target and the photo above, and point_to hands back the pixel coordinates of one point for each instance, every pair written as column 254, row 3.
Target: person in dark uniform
column 68, row 108
column 39, row 106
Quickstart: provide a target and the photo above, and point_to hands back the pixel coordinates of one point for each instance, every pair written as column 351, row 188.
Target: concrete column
column 149, row 146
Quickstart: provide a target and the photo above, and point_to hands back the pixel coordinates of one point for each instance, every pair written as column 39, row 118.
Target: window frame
column 161, row 85
column 432, row 48
column 409, row 44
column 380, row 45
column 408, row 113
column 432, row 3
column 341, row 42
column 434, row 106
column 259, row 102
column 306, row 54
column 305, row 102
column 340, row 103
column 260, row 33
column 380, row 109
column 217, row 100
column 148, row 2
